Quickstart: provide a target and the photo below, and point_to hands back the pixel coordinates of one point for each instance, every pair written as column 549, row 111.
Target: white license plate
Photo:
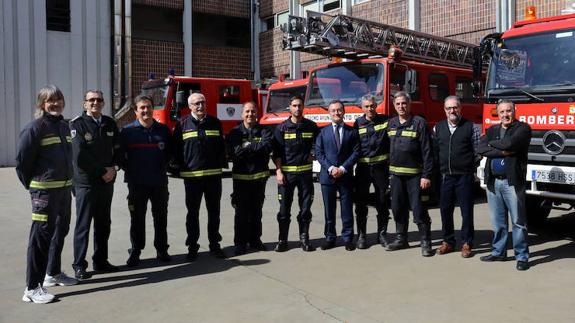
column 553, row 176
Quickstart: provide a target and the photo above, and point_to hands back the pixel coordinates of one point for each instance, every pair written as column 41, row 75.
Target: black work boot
column 134, row 259
column 282, row 237
column 382, row 238
column 425, row 232
column 400, row 241
column 304, row 237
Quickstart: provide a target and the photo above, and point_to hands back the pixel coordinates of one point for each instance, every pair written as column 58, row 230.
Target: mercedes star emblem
column 553, row 142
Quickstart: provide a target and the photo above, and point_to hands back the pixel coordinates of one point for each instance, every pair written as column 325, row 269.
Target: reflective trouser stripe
column 297, row 169
column 39, row 217
column 374, row 159
column 200, row 173
column 251, row 177
column 50, row 184
column 404, row 170
column 50, row 141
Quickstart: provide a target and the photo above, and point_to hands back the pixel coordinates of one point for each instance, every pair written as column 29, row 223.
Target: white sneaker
column 39, row 295
column 61, row 280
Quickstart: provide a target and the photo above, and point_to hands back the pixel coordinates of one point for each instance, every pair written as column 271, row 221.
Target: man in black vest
column 455, row 144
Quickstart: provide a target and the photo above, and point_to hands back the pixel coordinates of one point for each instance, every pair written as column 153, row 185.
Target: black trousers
column 248, row 199
column 304, row 184
column 458, row 187
column 365, row 175
column 138, row 198
column 211, row 187
column 50, row 225
column 405, row 194
column 329, row 194
column 92, row 202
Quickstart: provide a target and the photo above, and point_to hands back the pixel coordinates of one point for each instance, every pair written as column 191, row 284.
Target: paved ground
column 324, row 286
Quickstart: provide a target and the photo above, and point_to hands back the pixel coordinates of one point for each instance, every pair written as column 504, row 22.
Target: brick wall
column 221, row 62
column 543, row 8
column 273, row 60
column 270, row 7
column 174, row 4
column 232, row 8
column 384, row 11
column 465, row 20
column 157, row 57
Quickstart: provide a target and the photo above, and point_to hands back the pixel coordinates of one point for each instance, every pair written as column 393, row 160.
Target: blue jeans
column 506, row 199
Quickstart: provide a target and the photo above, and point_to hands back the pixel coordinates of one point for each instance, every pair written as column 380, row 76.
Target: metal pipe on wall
column 118, row 81
column 128, row 49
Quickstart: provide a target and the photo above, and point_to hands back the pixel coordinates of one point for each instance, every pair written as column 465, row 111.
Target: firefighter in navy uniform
column 411, row 166
column 147, row 148
column 200, row 155
column 249, row 147
column 95, row 144
column 293, row 145
column 44, row 166
column 372, row 167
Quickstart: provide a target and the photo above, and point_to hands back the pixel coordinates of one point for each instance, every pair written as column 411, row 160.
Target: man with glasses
column 200, row 155
column 372, row 167
column 455, row 142
column 95, row 145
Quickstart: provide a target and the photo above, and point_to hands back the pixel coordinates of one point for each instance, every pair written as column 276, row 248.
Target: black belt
column 500, row 176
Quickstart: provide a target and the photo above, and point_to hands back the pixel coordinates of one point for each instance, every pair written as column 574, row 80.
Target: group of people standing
column 57, row 158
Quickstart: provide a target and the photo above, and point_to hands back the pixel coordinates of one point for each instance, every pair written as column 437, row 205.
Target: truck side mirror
column 410, row 85
column 476, row 86
column 180, row 103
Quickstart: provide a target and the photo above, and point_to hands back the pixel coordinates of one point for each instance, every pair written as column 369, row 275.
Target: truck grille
column 558, row 148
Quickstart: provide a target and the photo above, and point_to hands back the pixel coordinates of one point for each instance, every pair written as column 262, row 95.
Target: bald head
column 197, row 105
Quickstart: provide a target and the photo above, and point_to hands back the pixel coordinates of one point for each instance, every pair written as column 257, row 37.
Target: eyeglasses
column 99, row 100
column 199, row 103
column 451, row 108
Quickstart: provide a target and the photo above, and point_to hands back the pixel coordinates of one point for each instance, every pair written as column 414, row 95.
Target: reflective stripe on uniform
column 411, row 134
column 404, row 170
column 391, row 132
column 189, row 134
column 362, row 131
column 297, row 169
column 289, row 135
column 50, row 184
column 68, row 139
column 215, row 133
column 200, row 173
column 39, row 217
column 50, row 141
column 380, row 127
column 307, row 134
column 251, row 177
column 374, row 159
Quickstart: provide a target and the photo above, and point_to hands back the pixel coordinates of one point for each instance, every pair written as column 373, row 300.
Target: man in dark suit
column 337, row 149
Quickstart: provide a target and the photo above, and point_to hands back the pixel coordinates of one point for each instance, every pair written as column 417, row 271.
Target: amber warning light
column 530, row 13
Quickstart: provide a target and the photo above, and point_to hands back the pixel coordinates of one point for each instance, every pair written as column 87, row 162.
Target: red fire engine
column 428, row 67
column 224, row 98
column 533, row 64
column 279, row 94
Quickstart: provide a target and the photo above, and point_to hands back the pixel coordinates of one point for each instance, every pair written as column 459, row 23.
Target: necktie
column 337, row 138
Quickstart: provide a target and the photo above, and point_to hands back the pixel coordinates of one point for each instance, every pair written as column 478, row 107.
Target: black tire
column 537, row 210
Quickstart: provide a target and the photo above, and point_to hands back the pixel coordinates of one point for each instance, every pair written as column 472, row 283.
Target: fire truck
column 224, row 98
column 380, row 60
column 533, row 65
column 277, row 104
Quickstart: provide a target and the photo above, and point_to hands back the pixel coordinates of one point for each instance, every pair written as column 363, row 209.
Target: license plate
column 553, row 176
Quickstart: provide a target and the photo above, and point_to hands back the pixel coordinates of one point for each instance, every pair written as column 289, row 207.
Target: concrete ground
column 323, row 286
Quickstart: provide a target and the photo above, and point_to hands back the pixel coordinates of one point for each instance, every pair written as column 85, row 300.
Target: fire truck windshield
column 346, row 82
column 542, row 64
column 158, row 90
column 278, row 100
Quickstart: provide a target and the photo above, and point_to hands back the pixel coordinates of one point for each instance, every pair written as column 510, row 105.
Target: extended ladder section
column 354, row 38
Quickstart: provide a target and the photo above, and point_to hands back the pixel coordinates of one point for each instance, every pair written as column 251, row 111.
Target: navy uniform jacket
column 373, row 139
column 200, row 147
column 327, row 154
column 411, row 151
column 293, row 143
column 146, row 153
column 95, row 148
column 44, row 158
column 250, row 150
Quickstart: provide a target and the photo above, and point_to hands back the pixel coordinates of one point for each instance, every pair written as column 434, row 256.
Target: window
column 464, row 89
column 282, row 18
column 229, row 94
column 156, row 23
column 220, row 31
column 268, row 23
column 438, row 86
column 58, row 15
column 331, row 5
column 359, row 1
column 397, row 82
column 312, row 6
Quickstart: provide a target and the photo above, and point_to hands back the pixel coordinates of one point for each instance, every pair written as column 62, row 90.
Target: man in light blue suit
column 337, row 149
